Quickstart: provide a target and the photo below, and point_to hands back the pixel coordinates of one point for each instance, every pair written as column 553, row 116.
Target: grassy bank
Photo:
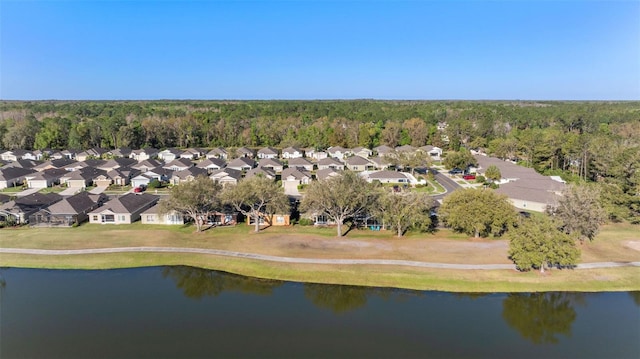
column 613, row 244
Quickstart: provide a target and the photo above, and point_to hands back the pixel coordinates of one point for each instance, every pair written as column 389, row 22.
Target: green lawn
column 12, row 189
column 612, row 244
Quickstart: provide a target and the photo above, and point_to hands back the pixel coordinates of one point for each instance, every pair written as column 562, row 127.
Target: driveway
column 98, row 190
column 27, row 192
column 70, row 191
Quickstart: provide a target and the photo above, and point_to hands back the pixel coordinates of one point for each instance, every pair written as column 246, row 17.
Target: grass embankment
column 615, row 243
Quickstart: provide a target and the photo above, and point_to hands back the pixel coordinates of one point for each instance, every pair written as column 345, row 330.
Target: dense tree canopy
column 537, row 242
column 401, row 211
column 257, row 197
column 492, row 173
column 589, row 141
column 478, row 212
column 340, row 198
column 460, row 160
column 579, row 211
column 196, row 199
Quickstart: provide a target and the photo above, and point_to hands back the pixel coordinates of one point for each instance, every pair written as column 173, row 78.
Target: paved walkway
column 27, row 192
column 269, row 258
column 70, row 191
column 98, row 190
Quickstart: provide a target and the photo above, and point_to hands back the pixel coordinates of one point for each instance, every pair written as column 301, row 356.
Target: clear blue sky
column 558, row 50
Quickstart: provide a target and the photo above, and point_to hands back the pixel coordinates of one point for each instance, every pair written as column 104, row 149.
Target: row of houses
column 128, row 171
column 171, row 154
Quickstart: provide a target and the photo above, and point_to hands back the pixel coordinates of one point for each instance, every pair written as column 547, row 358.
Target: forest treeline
column 587, row 141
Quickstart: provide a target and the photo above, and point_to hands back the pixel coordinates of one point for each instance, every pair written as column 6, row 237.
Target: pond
column 183, row 312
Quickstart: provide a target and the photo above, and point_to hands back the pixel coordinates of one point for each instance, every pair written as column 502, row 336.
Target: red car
column 469, row 177
column 139, row 189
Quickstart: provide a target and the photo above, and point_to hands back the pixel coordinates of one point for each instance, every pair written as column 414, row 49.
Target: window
column 279, row 219
column 108, row 218
column 122, row 218
column 150, row 218
column 95, row 217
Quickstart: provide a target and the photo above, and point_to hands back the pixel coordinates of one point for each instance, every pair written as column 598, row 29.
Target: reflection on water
column 150, row 313
column 539, row 317
column 197, row 282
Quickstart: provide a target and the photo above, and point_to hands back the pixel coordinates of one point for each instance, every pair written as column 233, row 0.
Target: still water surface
column 184, row 312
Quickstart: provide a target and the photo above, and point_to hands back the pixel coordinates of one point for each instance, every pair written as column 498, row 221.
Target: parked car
column 455, row 171
column 139, row 189
column 469, row 177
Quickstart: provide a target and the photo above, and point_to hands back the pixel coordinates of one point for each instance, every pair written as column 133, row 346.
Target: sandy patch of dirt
column 635, row 245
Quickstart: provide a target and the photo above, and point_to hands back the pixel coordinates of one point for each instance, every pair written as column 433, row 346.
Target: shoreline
column 587, row 277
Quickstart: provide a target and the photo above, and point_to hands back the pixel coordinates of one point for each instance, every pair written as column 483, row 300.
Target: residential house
column 191, row 153
column 55, row 163
column 122, row 152
column 300, row 176
column 242, row 164
column 68, row 154
column 329, row 162
column 22, row 163
column 326, row 173
column 90, row 153
column 362, row 152
column 170, row 154
column 46, row 178
column 153, row 216
column 146, row 165
column 83, row 178
column 4, row 198
column 261, row 171
column 319, row 155
column 405, row 149
column 144, row 178
column 292, row 152
column 122, row 176
column 383, row 150
column 301, row 163
column 223, row 218
column 69, row 211
column 272, row 164
column 212, row 164
column 244, row 152
column 187, row 175
column 180, row 164
column 272, row 220
column 32, row 155
column 124, row 209
column 434, row 152
column 13, row 155
column 268, row 152
column 218, row 152
column 19, row 210
column 144, row 154
column 226, row 176
column 13, row 176
column 387, row 177
column 379, row 163
column 358, row 163
column 114, row 163
column 338, row 152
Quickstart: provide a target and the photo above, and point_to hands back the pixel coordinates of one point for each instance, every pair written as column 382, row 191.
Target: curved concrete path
column 264, row 257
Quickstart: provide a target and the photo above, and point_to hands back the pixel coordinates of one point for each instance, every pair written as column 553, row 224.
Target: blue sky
column 555, row 50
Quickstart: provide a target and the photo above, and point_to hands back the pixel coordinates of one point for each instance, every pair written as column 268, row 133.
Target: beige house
column 123, row 210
